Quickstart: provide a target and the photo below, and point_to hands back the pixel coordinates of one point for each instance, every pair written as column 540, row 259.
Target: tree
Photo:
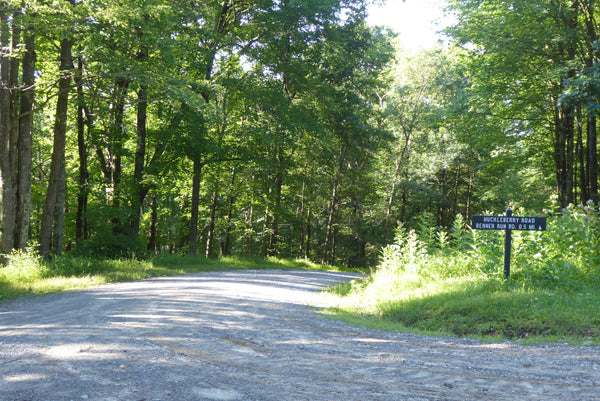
column 16, row 117
column 527, row 55
column 51, row 231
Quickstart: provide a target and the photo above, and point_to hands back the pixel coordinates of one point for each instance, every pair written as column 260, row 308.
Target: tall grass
column 452, row 282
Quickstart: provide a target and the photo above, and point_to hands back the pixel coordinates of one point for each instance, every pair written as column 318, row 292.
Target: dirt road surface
column 256, row 335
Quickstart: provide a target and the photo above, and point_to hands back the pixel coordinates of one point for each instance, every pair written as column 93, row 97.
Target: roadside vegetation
column 27, row 274
column 430, row 280
column 436, row 281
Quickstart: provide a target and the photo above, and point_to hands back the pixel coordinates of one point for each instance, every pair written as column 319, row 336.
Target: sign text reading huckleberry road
column 508, row 223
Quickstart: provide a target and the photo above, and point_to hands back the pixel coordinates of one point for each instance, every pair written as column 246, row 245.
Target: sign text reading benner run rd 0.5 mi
column 508, row 223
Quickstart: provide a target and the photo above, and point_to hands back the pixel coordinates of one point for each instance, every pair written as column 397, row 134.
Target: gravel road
column 252, row 335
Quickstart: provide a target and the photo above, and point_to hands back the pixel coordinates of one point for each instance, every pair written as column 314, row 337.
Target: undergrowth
column 432, row 280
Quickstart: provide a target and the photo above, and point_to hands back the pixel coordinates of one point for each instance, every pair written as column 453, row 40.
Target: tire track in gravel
column 253, row 335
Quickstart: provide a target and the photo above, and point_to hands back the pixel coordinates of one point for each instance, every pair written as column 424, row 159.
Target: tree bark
column 83, row 116
column 226, row 241
column 276, row 211
column 581, row 160
column 333, row 206
column 141, row 189
column 210, row 235
column 7, row 144
column 592, row 148
column 194, row 213
column 153, row 224
column 25, row 142
column 564, row 154
column 56, row 186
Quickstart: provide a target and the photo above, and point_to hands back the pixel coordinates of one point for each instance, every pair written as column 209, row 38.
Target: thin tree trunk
column 274, row 231
column 300, row 217
column 564, row 155
column 59, row 216
column 250, row 221
column 9, row 129
column 83, row 187
column 153, row 223
column 140, row 156
column 333, row 206
column 117, row 137
column 141, row 189
column 25, row 142
column 193, row 240
column 210, row 235
column 592, row 147
column 226, row 242
column 308, row 235
column 391, row 195
column 57, row 168
column 6, row 231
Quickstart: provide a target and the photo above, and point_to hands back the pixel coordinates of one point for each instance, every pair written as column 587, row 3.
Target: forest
column 286, row 128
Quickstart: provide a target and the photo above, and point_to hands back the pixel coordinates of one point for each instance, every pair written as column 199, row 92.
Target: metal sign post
column 507, row 246
column 508, row 223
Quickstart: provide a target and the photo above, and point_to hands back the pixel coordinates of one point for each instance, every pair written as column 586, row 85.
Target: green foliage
column 459, row 288
column 110, row 244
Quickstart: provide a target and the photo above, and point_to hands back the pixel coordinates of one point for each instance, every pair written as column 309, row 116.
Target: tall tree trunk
column 564, row 154
column 390, row 199
column 582, row 160
column 140, row 155
column 9, row 130
column 300, row 217
column 564, row 145
column 226, row 242
column 6, row 228
column 308, row 236
column 117, row 137
column 56, row 186
column 276, row 211
column 210, row 235
column 329, row 243
column 25, row 142
column 83, row 116
column 589, row 18
column 153, row 224
column 141, row 189
column 592, row 148
column 193, row 239
column 250, row 220
column 59, row 216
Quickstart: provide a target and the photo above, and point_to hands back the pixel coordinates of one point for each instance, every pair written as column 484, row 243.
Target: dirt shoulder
column 251, row 335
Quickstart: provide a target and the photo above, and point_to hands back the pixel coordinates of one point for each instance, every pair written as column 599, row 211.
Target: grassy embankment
column 438, row 282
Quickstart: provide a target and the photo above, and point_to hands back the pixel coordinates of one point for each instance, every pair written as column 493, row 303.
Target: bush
column 112, row 245
column 453, row 282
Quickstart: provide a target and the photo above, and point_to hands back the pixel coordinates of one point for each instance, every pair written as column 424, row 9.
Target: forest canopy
column 285, row 128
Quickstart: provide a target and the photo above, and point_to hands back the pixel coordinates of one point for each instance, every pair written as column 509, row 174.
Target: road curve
column 251, row 335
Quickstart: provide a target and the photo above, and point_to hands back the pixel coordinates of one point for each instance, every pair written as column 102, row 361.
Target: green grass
column 436, row 282
column 477, row 305
column 27, row 275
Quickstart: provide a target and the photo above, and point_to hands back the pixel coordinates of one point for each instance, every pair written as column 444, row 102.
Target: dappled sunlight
column 80, row 351
column 24, row 377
